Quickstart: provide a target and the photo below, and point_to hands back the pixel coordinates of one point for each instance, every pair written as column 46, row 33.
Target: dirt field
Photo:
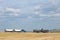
column 29, row 36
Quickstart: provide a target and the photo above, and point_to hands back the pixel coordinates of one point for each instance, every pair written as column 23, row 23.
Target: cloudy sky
column 29, row 14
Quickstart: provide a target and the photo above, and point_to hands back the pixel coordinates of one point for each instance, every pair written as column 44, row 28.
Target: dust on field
column 29, row 36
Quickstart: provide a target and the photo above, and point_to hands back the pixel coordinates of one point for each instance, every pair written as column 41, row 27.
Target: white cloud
column 13, row 10
column 45, row 15
column 14, row 14
column 36, row 7
column 29, row 17
column 36, row 13
column 55, row 2
column 55, row 14
column 49, row 15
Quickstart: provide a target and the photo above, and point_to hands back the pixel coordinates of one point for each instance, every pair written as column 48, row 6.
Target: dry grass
column 29, row 36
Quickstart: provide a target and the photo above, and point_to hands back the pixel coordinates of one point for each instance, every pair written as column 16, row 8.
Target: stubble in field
column 29, row 36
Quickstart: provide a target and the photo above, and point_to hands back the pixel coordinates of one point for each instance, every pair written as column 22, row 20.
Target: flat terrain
column 29, row 36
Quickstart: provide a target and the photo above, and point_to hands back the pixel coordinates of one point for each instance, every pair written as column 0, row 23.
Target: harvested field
column 29, row 36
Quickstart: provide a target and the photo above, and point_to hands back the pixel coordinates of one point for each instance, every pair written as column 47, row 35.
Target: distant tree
column 44, row 31
column 37, row 31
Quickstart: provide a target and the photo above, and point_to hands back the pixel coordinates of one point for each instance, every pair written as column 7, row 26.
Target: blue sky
column 30, row 14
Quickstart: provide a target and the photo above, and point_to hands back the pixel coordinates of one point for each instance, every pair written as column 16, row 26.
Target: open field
column 29, row 36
